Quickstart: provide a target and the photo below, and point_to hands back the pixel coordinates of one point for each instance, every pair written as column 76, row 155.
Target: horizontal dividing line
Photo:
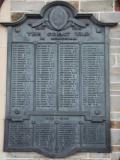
column 115, row 112
column 19, row 158
column 25, row 12
column 118, row 83
column 94, row 11
column 88, row 158
column 115, row 129
column 114, row 46
column 115, row 38
column 29, row 12
column 117, row 95
column 114, row 95
column 114, row 90
column 72, row 113
column 90, row 0
column 51, row 159
column 114, row 54
column 114, row 66
column 116, row 120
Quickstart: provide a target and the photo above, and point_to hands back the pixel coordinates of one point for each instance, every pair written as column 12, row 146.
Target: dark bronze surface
column 58, row 83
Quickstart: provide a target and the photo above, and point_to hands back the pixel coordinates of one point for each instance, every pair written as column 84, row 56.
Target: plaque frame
column 10, row 26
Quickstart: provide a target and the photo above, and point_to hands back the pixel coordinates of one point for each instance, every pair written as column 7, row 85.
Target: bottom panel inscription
column 55, row 137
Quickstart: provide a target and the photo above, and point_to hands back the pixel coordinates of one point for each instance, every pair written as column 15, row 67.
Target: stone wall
column 104, row 10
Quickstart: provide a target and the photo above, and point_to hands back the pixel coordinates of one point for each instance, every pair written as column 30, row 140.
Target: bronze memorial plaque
column 57, row 83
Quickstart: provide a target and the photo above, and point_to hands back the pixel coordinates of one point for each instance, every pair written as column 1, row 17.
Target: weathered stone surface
column 115, row 156
column 31, row 0
column 16, row 16
column 5, row 11
column 99, row 155
column 3, row 62
column 3, row 37
column 115, row 136
column 91, row 159
column 24, row 155
column 2, row 108
column 78, row 155
column 118, row 60
column 115, row 28
column 115, row 103
column 112, row 60
column 55, row 159
column 113, row 17
column 115, row 86
column 23, row 6
column 114, row 49
column 115, row 42
column 94, row 5
column 1, row 135
column 115, row 34
column 115, row 116
column 115, row 74
column 115, row 124
column 75, row 4
column 115, row 149
column 35, row 156
column 112, row 92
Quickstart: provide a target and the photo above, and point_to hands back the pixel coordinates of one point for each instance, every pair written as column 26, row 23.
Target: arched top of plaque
column 58, row 15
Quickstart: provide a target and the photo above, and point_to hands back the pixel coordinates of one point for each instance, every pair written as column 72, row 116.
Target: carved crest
column 59, row 18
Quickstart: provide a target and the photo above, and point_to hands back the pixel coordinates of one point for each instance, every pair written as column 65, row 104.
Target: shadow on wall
column 1, row 2
column 117, row 5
